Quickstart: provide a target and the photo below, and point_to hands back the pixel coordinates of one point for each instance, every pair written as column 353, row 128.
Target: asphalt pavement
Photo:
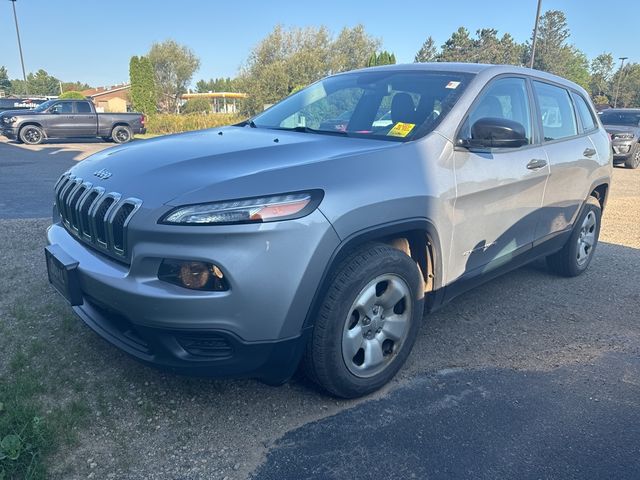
column 28, row 174
column 579, row 422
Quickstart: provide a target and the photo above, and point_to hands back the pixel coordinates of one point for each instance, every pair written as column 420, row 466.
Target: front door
column 60, row 118
column 499, row 190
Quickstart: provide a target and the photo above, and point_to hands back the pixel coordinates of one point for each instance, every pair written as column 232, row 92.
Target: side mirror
column 54, row 111
column 496, row 133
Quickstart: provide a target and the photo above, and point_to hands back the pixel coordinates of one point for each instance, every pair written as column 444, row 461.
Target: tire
column 633, row 161
column 121, row 134
column 373, row 307
column 31, row 135
column 576, row 255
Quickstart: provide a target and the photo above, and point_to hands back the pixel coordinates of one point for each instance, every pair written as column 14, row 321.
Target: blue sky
column 92, row 40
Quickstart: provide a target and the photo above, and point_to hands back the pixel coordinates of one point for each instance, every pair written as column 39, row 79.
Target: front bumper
column 10, row 133
column 273, row 270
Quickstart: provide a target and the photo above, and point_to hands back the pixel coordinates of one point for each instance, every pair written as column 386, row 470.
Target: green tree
column 197, row 105
column 75, row 86
column 5, row 83
column 382, row 58
column 601, row 69
column 554, row 54
column 216, row 85
column 458, row 48
column 143, row 87
column 626, row 86
column 428, row 52
column 287, row 59
column 351, row 48
column 174, row 66
column 72, row 95
column 39, row 83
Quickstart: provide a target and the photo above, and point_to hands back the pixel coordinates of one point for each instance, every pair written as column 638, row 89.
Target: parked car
column 245, row 250
column 623, row 124
column 69, row 119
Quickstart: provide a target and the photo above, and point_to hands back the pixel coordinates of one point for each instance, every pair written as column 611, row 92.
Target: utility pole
column 535, row 34
column 15, row 19
column 615, row 101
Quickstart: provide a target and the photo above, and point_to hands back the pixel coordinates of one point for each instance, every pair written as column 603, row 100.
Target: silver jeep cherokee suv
column 320, row 230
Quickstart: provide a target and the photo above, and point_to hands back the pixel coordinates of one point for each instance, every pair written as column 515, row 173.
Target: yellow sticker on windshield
column 401, row 129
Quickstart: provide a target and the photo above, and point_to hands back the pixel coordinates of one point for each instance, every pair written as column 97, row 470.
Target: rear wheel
column 31, row 135
column 367, row 323
column 576, row 255
column 121, row 134
column 634, row 159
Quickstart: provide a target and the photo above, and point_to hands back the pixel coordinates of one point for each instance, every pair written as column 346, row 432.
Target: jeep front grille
column 95, row 216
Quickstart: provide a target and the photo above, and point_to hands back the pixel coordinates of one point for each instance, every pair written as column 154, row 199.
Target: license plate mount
column 62, row 271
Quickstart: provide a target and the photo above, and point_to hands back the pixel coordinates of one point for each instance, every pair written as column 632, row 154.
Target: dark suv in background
column 623, row 124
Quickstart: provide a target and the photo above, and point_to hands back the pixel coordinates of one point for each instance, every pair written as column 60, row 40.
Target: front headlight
column 251, row 210
column 9, row 119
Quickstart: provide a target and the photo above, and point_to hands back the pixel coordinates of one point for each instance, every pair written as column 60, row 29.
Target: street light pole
column 615, row 101
column 15, row 19
column 535, row 34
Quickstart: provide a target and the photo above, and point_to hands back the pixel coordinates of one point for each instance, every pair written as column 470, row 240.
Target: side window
column 505, row 98
column 62, row 107
column 83, row 107
column 558, row 118
column 584, row 112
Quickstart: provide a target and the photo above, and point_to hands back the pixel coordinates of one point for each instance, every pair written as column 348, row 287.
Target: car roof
column 486, row 70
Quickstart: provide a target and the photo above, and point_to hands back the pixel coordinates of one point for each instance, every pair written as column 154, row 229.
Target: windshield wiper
column 245, row 123
column 312, row 130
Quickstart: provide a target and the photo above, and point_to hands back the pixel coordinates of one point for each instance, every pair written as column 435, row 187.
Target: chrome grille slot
column 96, row 217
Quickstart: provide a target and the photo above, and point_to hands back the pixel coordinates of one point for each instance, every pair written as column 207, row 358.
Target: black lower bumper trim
column 205, row 353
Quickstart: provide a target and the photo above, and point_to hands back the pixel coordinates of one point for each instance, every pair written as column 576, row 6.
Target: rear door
column 572, row 157
column 499, row 190
column 85, row 121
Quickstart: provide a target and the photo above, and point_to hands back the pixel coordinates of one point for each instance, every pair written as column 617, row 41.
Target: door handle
column 589, row 152
column 536, row 164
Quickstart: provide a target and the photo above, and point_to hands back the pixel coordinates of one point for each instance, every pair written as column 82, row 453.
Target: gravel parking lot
column 527, row 376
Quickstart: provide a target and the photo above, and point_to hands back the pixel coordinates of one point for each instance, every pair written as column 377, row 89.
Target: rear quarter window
column 585, row 113
column 558, row 118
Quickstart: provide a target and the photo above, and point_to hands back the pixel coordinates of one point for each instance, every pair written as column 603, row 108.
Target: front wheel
column 576, row 255
column 367, row 323
column 633, row 161
column 31, row 135
column 121, row 134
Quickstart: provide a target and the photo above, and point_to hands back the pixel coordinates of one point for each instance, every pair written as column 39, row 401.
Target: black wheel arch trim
column 361, row 237
column 600, row 182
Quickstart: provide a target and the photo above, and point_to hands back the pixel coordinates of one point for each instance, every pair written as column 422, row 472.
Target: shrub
column 72, row 95
column 162, row 124
column 197, row 105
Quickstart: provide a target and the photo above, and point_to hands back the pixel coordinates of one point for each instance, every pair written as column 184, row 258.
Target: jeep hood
column 217, row 164
column 621, row 129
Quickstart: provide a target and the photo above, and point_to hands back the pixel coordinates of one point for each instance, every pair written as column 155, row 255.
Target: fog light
column 193, row 275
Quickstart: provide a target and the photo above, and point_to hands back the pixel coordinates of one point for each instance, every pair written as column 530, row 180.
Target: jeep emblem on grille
column 103, row 174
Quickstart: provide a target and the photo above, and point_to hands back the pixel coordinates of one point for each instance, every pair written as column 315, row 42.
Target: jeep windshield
column 629, row 119
column 390, row 105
